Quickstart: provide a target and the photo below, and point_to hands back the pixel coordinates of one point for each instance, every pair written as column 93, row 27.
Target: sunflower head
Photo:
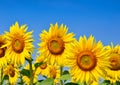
column 54, row 73
column 53, row 43
column 42, row 69
column 114, row 72
column 19, row 43
column 3, row 57
column 42, row 59
column 2, row 43
column 86, row 57
column 12, row 72
column 115, row 61
column 114, row 56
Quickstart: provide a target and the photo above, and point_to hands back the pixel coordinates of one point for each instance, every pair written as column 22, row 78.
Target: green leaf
column 6, row 77
column 106, row 82
column 40, row 80
column 65, row 72
column 29, row 60
column 48, row 81
column 116, row 83
column 25, row 72
column 65, row 76
column 70, row 83
column 38, row 64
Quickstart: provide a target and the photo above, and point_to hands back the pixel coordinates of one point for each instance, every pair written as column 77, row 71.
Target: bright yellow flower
column 26, row 79
column 54, row 73
column 19, row 43
column 3, row 57
column 114, row 71
column 53, row 43
column 13, row 74
column 94, row 83
column 42, row 69
column 87, row 59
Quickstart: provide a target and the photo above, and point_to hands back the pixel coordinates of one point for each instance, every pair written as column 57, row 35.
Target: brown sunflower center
column 12, row 73
column 18, row 45
column 86, row 61
column 56, row 46
column 115, row 62
column 43, row 66
column 2, row 51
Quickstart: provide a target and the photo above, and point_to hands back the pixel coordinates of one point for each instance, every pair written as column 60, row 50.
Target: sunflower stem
column 61, row 70
column 21, row 79
column 31, row 71
column 1, row 75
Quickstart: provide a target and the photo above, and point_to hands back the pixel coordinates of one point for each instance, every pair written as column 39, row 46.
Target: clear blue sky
column 101, row 18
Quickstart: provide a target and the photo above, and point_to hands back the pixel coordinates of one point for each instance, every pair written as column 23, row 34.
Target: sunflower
column 26, row 79
column 53, row 43
column 94, row 83
column 3, row 58
column 54, row 72
column 19, row 43
column 87, row 59
column 42, row 69
column 114, row 72
column 12, row 73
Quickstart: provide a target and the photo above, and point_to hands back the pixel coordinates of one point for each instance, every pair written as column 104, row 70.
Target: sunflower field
column 61, row 59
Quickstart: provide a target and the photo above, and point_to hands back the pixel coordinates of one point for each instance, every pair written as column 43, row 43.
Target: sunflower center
column 12, row 73
column 56, row 46
column 43, row 66
column 86, row 61
column 2, row 51
column 115, row 62
column 18, row 45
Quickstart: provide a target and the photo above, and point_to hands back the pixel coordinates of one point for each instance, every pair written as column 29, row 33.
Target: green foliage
column 25, row 72
column 48, row 81
column 65, row 72
column 6, row 77
column 65, row 76
column 38, row 64
column 29, row 60
column 70, row 83
column 116, row 83
column 106, row 82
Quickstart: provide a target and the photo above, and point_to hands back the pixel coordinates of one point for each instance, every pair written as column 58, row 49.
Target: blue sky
column 101, row 18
